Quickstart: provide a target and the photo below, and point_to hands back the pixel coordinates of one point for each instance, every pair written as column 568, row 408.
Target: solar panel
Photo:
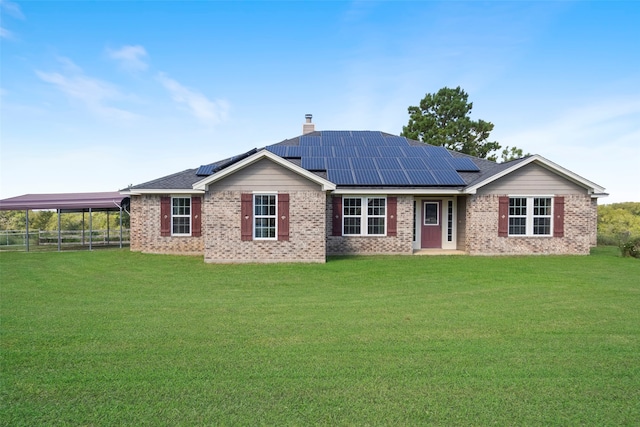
column 363, row 163
column 341, row 177
column 354, row 141
column 314, row 163
column 464, row 164
column 393, row 152
column 316, row 151
column 393, row 140
column 368, row 152
column 373, row 158
column 205, row 170
column 278, row 150
column 387, row 163
column 448, row 177
column 438, row 163
column 373, row 141
column 394, row 177
column 346, row 152
column 412, row 163
column 436, row 151
column 338, row 163
column 421, row 177
column 309, row 141
column 294, row 151
column 367, row 177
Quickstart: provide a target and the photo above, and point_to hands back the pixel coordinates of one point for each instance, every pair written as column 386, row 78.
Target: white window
column 364, row 216
column 530, row 216
column 265, row 216
column 181, row 216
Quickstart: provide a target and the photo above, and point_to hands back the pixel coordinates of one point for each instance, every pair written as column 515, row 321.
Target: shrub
column 630, row 247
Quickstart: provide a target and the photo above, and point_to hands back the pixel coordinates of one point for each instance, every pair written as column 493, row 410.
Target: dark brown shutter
column 283, row 217
column 558, row 220
column 196, row 216
column 165, row 216
column 337, row 216
column 246, row 209
column 503, row 216
column 392, row 213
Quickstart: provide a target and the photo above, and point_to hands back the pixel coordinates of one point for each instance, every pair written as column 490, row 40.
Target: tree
column 443, row 119
column 512, row 153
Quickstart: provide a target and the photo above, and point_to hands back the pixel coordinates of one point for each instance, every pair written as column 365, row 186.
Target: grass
column 120, row 338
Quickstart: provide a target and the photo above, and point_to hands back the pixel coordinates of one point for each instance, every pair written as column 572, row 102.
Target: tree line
column 48, row 220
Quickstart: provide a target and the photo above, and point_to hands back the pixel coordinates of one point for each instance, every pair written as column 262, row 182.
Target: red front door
column 431, row 233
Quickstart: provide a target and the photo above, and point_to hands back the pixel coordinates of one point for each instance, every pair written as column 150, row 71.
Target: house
column 362, row 192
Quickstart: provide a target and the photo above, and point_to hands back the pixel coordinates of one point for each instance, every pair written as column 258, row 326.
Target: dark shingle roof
column 359, row 158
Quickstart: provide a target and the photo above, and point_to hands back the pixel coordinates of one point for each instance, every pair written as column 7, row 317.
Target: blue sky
column 99, row 95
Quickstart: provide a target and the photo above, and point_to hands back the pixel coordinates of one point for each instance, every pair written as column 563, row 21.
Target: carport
column 69, row 203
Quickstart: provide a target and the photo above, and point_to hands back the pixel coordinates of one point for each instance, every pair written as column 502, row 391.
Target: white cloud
column 93, row 93
column 131, row 58
column 12, row 9
column 5, row 34
column 599, row 141
column 211, row 112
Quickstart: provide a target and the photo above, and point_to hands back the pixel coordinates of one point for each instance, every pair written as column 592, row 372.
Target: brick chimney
column 308, row 127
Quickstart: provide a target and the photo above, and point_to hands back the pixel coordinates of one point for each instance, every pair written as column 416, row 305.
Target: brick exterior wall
column 369, row 245
column 580, row 220
column 145, row 230
column 221, row 225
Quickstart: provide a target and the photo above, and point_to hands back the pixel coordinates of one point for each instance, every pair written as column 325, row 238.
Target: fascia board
column 548, row 164
column 402, row 191
column 202, row 185
column 141, row 191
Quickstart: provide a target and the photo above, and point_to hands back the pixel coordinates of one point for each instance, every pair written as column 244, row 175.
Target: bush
column 630, row 247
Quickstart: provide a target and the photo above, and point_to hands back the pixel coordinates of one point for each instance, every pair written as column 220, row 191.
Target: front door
column 431, row 233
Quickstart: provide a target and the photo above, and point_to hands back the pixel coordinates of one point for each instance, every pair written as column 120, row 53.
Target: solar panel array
column 374, row 159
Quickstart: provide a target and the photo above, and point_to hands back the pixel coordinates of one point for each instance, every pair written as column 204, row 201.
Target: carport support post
column 120, row 227
column 83, row 227
column 108, row 228
column 90, row 229
column 26, row 242
column 59, row 233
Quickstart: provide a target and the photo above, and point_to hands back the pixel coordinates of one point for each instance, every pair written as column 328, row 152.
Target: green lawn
column 120, row 338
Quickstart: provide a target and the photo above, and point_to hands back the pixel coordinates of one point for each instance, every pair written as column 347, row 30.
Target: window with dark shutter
column 558, row 216
column 165, row 216
column 503, row 216
column 283, row 217
column 337, row 216
column 246, row 208
column 196, row 216
column 392, row 211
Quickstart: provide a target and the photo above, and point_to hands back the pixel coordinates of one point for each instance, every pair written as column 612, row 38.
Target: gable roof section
column 263, row 154
column 367, row 159
column 180, row 182
column 594, row 189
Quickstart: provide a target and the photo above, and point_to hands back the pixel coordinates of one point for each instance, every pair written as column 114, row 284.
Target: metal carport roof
column 78, row 202
column 68, row 202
